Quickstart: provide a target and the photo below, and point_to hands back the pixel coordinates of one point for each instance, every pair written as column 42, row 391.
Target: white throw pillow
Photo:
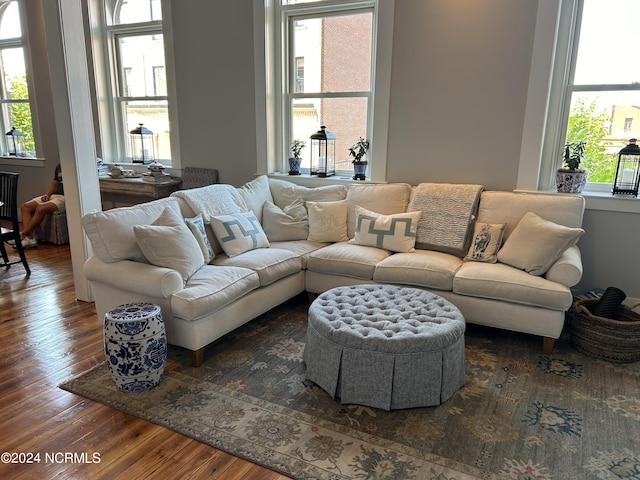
column 486, row 241
column 255, row 193
column 535, row 244
column 395, row 232
column 238, row 232
column 167, row 242
column 327, row 221
column 289, row 224
column 197, row 227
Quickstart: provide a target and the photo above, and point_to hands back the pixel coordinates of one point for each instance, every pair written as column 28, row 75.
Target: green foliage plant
column 573, row 154
column 296, row 148
column 359, row 149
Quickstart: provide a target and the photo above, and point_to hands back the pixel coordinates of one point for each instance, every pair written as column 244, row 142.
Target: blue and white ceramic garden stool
column 135, row 345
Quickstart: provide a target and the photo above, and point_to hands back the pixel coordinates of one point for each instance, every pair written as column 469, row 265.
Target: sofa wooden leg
column 196, row 356
column 547, row 345
column 312, row 296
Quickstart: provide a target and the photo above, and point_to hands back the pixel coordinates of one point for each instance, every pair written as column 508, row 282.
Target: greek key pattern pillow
column 238, row 232
column 396, row 232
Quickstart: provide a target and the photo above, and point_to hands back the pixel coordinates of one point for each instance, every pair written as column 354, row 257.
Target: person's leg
column 36, row 219
column 27, row 209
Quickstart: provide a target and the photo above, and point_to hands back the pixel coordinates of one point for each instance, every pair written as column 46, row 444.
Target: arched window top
column 10, row 26
column 124, row 12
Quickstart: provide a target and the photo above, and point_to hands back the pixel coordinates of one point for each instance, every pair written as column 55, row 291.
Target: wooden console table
column 120, row 192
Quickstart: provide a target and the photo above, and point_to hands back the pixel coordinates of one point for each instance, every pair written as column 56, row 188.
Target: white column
column 74, row 125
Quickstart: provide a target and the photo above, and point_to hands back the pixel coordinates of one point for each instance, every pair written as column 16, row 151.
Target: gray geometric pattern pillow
column 238, row 232
column 396, row 232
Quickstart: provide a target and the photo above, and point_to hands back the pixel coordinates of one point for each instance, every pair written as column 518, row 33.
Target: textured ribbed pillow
column 535, row 244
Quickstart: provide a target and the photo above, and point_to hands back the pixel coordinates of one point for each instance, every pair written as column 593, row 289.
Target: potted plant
column 571, row 178
column 358, row 151
column 294, row 162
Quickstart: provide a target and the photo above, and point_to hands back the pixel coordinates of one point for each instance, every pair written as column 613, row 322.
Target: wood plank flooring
column 47, row 336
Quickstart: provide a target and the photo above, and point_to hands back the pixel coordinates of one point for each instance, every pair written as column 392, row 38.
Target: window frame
column 111, row 132
column 271, row 76
column 548, row 105
column 22, row 44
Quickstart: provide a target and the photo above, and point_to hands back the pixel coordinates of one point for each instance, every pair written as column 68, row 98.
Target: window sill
column 313, row 181
column 22, row 161
column 606, row 201
column 601, row 200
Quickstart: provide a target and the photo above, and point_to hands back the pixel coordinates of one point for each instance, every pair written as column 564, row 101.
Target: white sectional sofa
column 245, row 250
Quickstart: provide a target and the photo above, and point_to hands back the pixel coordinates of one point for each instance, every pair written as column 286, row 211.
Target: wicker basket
column 613, row 339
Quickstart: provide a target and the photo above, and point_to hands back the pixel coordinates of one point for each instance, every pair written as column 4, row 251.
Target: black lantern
column 628, row 170
column 15, row 142
column 142, row 150
column 323, row 153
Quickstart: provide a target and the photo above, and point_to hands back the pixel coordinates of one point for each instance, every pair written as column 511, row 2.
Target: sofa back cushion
column 510, row 207
column 111, row 232
column 285, row 193
column 385, row 199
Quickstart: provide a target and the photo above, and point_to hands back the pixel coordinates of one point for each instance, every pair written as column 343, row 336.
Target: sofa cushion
column 285, row 193
column 485, row 243
column 197, row 226
column 210, row 289
column 448, row 212
column 111, row 231
column 327, row 221
column 302, row 248
column 510, row 207
column 238, row 232
column 422, row 268
column 505, row 283
column 270, row 264
column 396, row 232
column 218, row 199
column 382, row 198
column 255, row 193
column 169, row 243
column 289, row 224
column 535, row 244
column 346, row 259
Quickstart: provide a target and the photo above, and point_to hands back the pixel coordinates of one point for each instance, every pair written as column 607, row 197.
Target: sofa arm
column 136, row 277
column 567, row 270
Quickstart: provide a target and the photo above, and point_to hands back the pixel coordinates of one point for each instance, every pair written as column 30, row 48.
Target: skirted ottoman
column 385, row 346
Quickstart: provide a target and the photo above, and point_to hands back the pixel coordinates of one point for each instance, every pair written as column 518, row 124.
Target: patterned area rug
column 521, row 414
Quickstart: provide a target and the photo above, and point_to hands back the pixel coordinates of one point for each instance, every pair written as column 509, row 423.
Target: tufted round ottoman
column 385, row 346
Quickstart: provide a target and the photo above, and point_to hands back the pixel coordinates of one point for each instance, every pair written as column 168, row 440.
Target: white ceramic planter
column 135, row 345
column 570, row 181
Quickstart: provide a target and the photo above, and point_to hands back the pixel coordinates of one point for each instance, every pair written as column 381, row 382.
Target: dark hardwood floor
column 47, row 336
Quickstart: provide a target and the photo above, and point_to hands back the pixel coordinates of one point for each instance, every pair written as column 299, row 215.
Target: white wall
column 459, row 84
column 213, row 44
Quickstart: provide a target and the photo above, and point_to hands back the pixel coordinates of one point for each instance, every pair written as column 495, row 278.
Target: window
column 327, row 75
column 133, row 45
column 14, row 88
column 602, row 90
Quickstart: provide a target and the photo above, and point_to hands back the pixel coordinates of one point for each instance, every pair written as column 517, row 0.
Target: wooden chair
column 9, row 215
column 194, row 177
